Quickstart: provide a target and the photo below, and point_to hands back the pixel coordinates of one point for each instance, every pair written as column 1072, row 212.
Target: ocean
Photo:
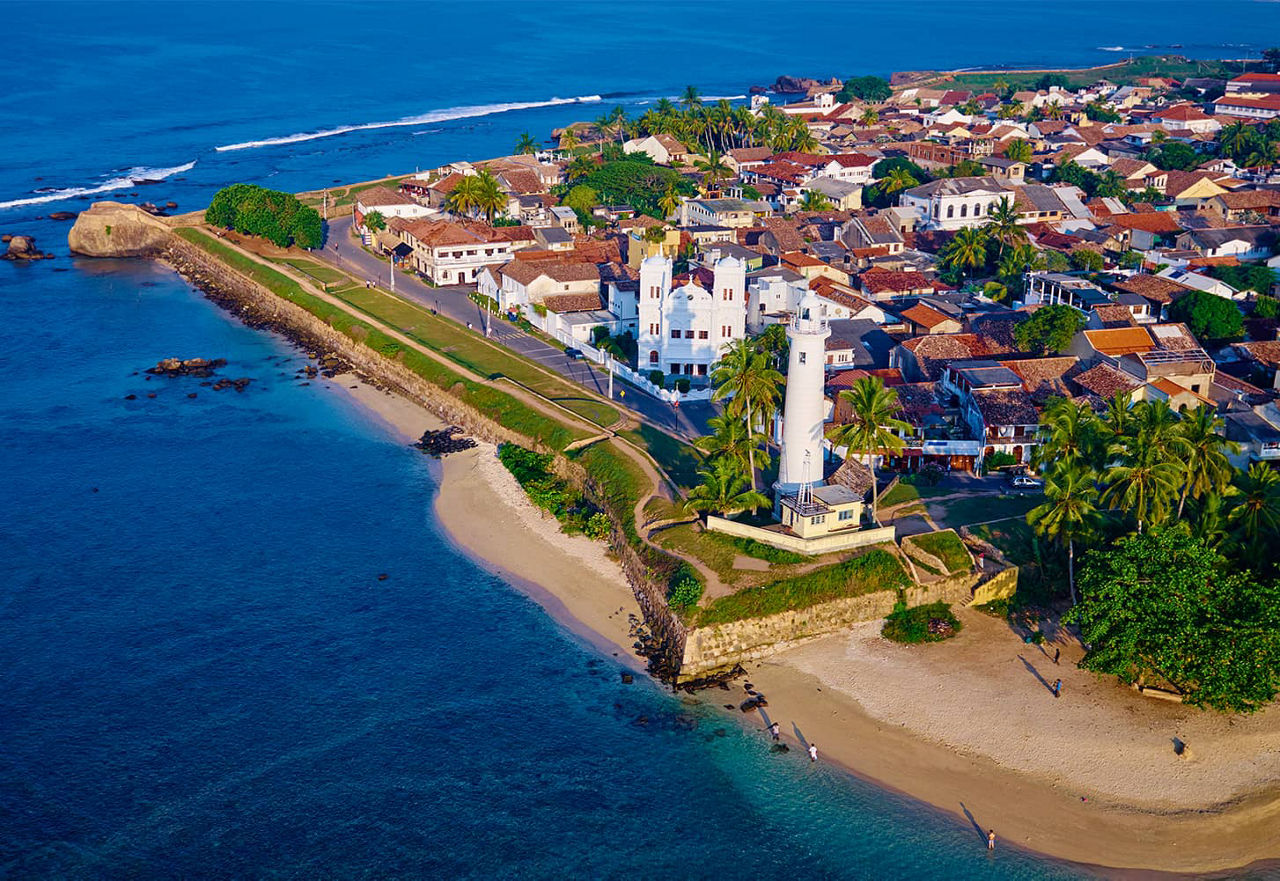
column 201, row 674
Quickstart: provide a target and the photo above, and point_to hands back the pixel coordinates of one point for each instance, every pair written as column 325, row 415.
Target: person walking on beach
column 1057, row 688
column 991, row 839
column 773, row 729
column 1057, row 653
column 813, row 752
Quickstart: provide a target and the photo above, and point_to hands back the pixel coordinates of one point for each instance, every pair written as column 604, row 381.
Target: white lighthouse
column 803, row 408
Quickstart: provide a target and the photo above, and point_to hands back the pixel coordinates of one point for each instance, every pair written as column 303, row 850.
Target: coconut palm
column 691, row 98
column 1207, row 470
column 1069, row 433
column 664, row 107
column 581, row 166
column 1003, row 226
column 713, row 169
column 490, row 200
column 724, row 489
column 1069, row 510
column 873, row 425
column 869, row 117
column 897, row 179
column 1143, row 481
column 731, row 440
column 526, row 144
column 465, row 196
column 814, row 201
column 1018, row 150
column 618, row 117
column 967, row 251
column 604, row 126
column 1117, row 417
column 569, row 139
column 750, row 385
column 1255, row 512
column 669, row 202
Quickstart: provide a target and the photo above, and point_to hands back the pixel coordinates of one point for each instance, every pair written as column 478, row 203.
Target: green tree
column 273, row 215
column 1255, row 511
column 1050, row 329
column 966, row 251
column 1018, row 150
column 691, row 99
column 1142, row 481
column 1003, row 226
column 873, row 425
column 1090, row 261
column 569, row 139
column 526, row 144
column 670, row 202
column 490, row 200
column 1068, row 512
column 724, row 490
column 1173, row 156
column 1069, row 434
column 814, row 201
column 865, row 88
column 731, row 440
column 750, row 387
column 1162, row 608
column 1206, row 468
column 713, row 169
column 581, row 199
column 375, row 222
column 308, row 228
column 1208, row 316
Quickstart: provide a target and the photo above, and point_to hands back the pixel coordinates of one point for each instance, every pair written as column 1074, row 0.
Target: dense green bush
column 685, row 588
column 912, row 625
column 278, row 217
column 658, row 378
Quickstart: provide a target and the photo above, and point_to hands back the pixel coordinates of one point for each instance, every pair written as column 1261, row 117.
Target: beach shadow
column 799, row 735
column 765, row 716
column 982, row 836
column 1036, row 673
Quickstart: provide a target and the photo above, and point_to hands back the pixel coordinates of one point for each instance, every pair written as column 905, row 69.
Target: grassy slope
column 947, row 547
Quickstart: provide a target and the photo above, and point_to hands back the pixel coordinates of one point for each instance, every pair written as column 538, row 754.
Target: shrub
column 682, row 385
column 1266, row 307
column 658, row 378
column 278, row 217
column 685, row 588
column 930, row 475
column 598, row 526
column 998, row 459
column 932, row 623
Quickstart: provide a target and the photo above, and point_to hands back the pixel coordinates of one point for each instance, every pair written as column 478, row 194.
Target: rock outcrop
column 114, row 229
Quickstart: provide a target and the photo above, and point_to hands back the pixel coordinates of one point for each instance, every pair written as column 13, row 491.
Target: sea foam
column 122, row 181
column 443, row 115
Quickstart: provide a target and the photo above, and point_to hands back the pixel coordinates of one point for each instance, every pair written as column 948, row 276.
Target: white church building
column 684, row 330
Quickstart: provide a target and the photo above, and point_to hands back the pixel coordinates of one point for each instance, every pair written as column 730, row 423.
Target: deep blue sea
column 200, row 673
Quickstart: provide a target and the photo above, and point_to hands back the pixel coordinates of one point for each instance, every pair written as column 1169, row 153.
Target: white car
column 1026, row 483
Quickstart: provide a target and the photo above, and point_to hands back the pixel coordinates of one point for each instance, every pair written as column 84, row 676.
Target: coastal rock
column 757, row 90
column 62, row 215
column 793, row 84
column 114, row 229
column 22, row 248
column 201, row 367
column 443, row 442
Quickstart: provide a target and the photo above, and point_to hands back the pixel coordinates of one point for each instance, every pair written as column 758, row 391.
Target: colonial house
column 1004, row 420
column 520, row 284
column 1246, row 206
column 684, row 329
column 954, row 203
column 886, row 284
column 453, row 252
column 1006, row 171
column 923, row 318
column 1242, row 242
column 1191, row 188
column 388, row 203
column 1185, row 119
column 843, row 195
column 1264, row 107
column 872, row 231
column 733, row 213
column 662, row 149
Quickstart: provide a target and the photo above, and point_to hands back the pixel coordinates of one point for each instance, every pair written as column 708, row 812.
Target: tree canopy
column 864, row 88
column 278, row 217
column 638, row 184
column 1161, row 607
column 1208, row 316
column 1049, row 329
column 1173, row 156
column 1255, row 277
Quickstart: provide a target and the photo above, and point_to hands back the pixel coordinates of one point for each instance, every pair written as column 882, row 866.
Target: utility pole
column 393, row 273
column 609, row 364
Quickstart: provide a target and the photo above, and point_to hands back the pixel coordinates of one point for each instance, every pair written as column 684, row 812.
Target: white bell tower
column 803, row 408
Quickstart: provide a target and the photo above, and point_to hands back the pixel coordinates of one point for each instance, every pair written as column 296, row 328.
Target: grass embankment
column 904, row 491
column 680, row 460
column 493, row 403
column 532, row 470
column 344, row 195
column 1123, row 73
column 947, row 547
column 871, row 571
column 719, row 551
column 1013, row 538
column 929, row 623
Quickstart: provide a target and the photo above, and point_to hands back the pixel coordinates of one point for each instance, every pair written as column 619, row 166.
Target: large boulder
column 114, row 229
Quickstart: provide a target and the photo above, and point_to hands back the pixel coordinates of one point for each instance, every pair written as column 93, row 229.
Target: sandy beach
column 968, row 726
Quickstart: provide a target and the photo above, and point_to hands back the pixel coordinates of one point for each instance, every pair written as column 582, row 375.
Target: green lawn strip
column 658, row 508
column 719, row 551
column 961, row 512
column 1126, row 73
column 493, row 403
column 947, row 547
column 318, row 271
column 873, row 570
column 680, row 460
column 901, row 492
column 1013, row 538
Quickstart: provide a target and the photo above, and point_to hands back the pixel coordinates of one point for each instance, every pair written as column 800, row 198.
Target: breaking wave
column 444, row 115
column 126, row 179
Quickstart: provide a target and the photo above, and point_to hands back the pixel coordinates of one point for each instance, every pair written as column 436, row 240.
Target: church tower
column 803, row 408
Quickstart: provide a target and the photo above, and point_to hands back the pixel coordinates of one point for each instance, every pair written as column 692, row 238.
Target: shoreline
column 1033, row 812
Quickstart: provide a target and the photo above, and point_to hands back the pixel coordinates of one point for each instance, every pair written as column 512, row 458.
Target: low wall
column 957, row 590
column 812, row 547
column 1000, row 586
column 720, row 646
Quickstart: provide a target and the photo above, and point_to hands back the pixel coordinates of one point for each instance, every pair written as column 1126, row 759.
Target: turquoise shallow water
column 200, row 674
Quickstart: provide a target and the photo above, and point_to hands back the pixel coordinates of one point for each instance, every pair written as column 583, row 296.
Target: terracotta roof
column 879, row 281
column 447, row 183
column 1247, row 199
column 1120, row 341
column 924, row 316
column 528, row 271
column 1266, row 352
column 1005, row 406
column 933, row 353
column 573, row 302
column 1155, row 222
column 1106, row 381
column 523, row 182
column 786, row 233
column 1181, row 181
column 1153, row 288
column 375, row 196
column 918, row 400
column 439, row 233
column 1114, row 316
column 1043, row 377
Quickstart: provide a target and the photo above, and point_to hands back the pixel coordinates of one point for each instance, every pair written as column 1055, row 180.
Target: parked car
column 1026, row 483
column 572, row 354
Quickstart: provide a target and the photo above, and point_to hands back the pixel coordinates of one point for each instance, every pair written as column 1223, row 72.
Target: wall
column 721, row 646
column 812, row 547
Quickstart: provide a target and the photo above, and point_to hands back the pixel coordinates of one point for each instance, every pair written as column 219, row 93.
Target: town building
column 684, row 329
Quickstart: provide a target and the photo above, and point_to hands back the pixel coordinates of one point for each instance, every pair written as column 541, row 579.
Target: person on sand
column 1057, row 654
column 813, row 752
column 773, row 729
column 1057, row 688
column 991, row 839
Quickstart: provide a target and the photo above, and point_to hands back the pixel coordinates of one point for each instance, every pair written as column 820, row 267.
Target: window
column 964, row 210
column 702, row 370
column 673, row 368
column 653, row 357
column 977, row 210
column 951, row 210
column 688, row 370
column 726, row 332
column 818, row 518
column 653, row 329
column 702, row 334
column 675, row 334
column 653, row 292
column 846, row 515
column 688, row 334
column 802, row 354
column 727, row 294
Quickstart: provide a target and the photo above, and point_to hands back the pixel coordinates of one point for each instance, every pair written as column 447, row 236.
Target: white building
column 955, row 202
column 684, row 330
column 804, row 408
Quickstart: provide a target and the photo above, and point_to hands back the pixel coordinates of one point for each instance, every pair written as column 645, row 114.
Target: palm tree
column 618, row 117
column 869, row 117
column 1142, row 481
column 1116, row 419
column 731, row 440
column 604, row 125
column 691, row 99
column 1255, row 513
column 814, row 201
column 1018, row 150
column 1003, row 226
column 968, row 250
column 669, row 202
column 465, row 196
column 1068, row 433
column 569, row 139
column 752, row 387
column 1236, row 138
column 1207, row 470
column 713, row 169
column 1068, row 511
column 897, row 179
column 581, row 166
column 1054, row 110
column 873, row 425
column 489, row 197
column 723, row 490
column 526, row 144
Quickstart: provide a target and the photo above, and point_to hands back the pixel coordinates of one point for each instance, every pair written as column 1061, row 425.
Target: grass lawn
column 718, row 551
column 318, row 271
column 947, row 547
column 873, row 570
column 1011, row 537
column 907, row 492
column 677, row 458
column 980, row 509
column 658, row 508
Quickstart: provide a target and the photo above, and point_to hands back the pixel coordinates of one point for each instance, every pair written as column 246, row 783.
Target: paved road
column 690, row 420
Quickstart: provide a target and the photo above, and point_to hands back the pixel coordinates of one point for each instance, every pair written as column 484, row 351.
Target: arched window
column 964, row 210
column 653, row 357
column 977, row 212
column 951, row 210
